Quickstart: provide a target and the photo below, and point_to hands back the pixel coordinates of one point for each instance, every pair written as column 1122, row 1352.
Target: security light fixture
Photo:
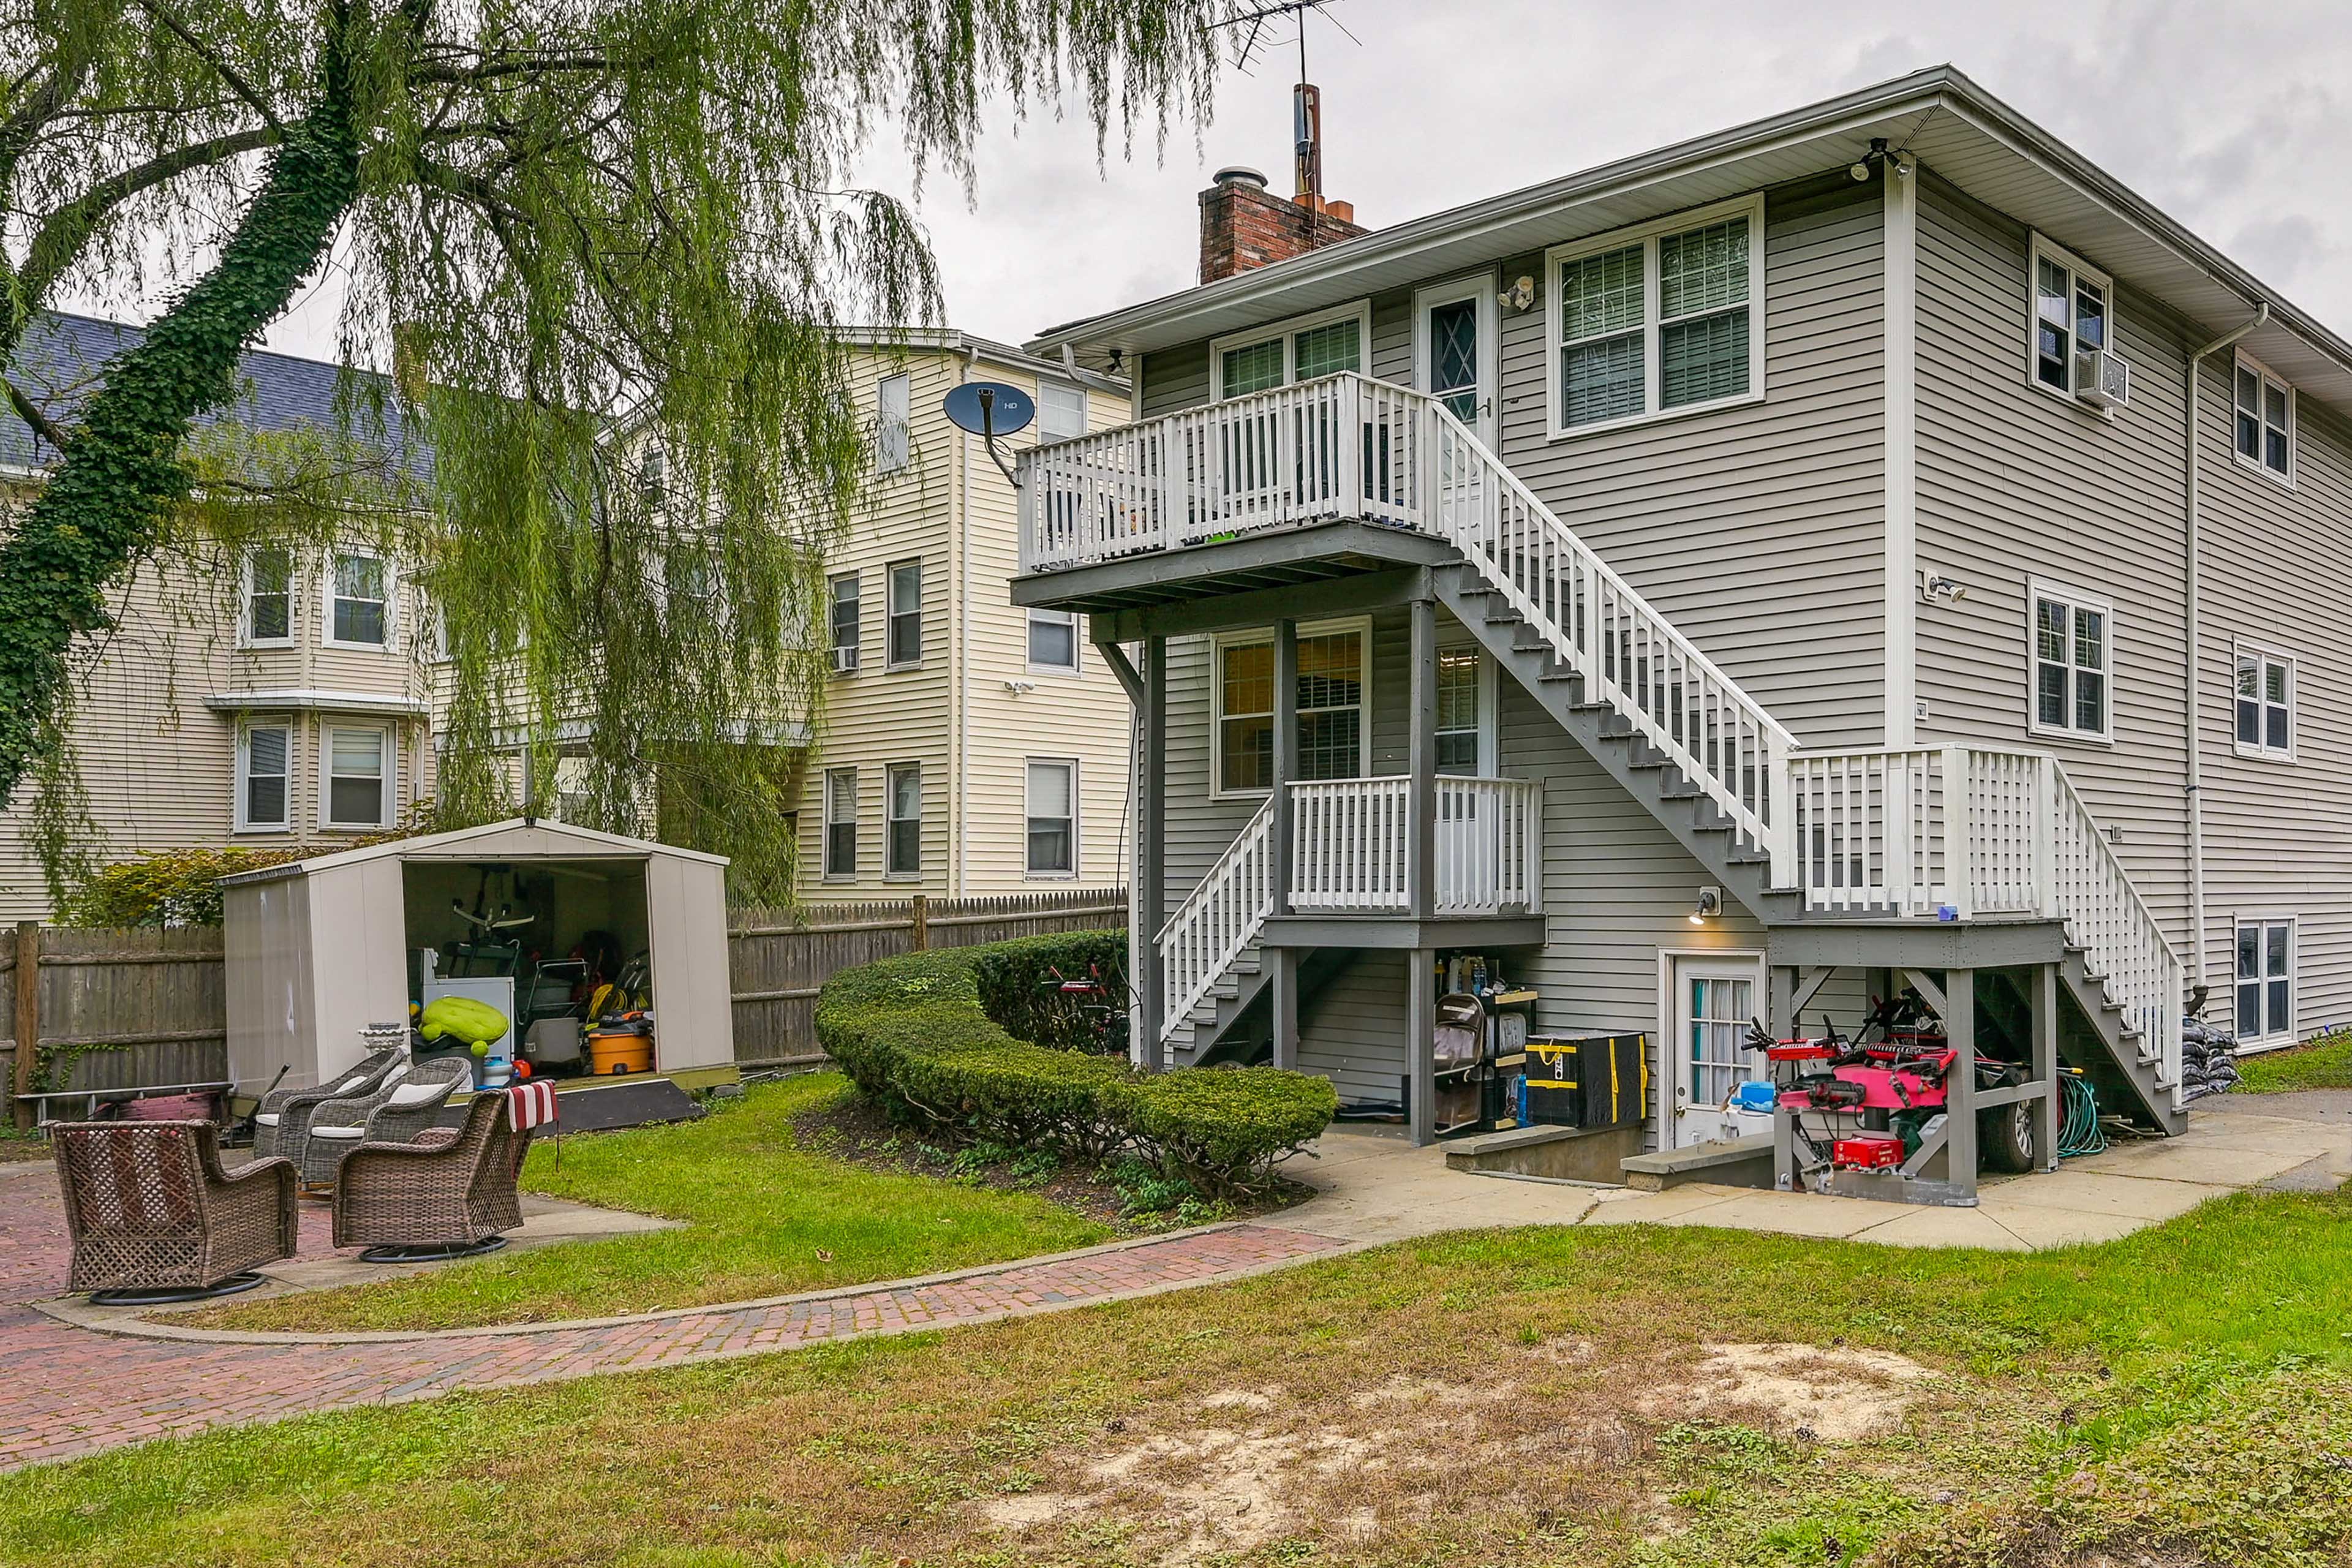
column 1940, row 589
column 1710, row 904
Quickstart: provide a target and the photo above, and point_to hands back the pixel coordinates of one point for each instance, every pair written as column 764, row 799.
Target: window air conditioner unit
column 844, row 661
column 2102, row 379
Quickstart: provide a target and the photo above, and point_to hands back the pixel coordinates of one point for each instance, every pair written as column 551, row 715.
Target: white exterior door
column 1453, row 349
column 1712, row 999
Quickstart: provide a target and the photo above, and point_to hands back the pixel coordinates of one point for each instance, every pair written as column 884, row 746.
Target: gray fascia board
column 1166, row 571
column 1918, row 944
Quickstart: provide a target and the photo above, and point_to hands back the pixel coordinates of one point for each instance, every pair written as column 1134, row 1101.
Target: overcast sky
column 2227, row 116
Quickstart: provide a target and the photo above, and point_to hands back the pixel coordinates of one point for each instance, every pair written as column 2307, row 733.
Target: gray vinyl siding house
column 1836, row 570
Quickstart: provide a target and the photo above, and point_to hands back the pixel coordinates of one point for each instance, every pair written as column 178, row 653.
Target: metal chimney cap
column 1238, row 174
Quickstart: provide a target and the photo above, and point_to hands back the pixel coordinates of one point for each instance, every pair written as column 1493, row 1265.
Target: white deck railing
column 1347, row 445
column 1957, row 832
column 1351, row 845
column 1216, row 921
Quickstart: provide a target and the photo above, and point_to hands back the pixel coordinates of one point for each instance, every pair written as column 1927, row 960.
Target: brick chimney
column 1243, row 225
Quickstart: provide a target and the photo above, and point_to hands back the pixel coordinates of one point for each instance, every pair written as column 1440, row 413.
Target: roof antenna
column 1306, row 98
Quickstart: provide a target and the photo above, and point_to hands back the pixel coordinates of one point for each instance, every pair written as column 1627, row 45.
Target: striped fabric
column 531, row 1104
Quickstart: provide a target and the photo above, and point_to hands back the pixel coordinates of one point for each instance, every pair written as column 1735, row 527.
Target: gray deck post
column 1286, row 1006
column 1420, row 1042
column 2045, row 1064
column 1960, row 1089
column 1152, row 853
column 1420, row 751
column 1285, row 979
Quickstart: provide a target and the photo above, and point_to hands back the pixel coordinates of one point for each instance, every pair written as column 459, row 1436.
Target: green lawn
column 764, row 1217
column 2324, row 1063
column 2181, row 1397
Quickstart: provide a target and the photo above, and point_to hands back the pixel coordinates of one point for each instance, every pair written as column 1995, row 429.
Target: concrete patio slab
column 1787, row 1213
column 2203, row 1162
column 1944, row 1228
column 2041, row 1225
column 1660, row 1208
column 2100, row 1194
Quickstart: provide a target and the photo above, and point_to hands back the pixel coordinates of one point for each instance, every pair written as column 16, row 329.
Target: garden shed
column 541, row 914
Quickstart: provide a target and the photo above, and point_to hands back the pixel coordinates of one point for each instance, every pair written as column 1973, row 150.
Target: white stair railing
column 1216, row 922
column 1349, row 843
column 1960, row 832
column 1489, row 847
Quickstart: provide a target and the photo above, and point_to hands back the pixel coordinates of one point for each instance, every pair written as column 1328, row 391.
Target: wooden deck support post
column 1151, row 856
column 1420, row 866
column 28, row 1021
column 1285, row 960
column 1421, row 1043
column 1285, row 1002
column 2045, row 1064
column 1960, row 1086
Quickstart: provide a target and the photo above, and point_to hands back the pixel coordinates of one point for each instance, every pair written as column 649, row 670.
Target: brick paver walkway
column 74, row 1390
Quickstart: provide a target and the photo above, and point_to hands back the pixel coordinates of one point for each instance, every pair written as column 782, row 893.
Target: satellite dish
column 990, row 408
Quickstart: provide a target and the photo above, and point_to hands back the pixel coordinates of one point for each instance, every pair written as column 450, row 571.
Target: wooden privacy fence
column 780, row 959
column 114, row 1008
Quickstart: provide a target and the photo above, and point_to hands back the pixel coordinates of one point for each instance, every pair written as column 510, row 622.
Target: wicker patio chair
column 284, row 1117
column 408, row 1098
column 154, row 1218
column 446, row 1193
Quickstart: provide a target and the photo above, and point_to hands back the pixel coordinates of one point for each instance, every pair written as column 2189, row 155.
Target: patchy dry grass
column 1651, row 1398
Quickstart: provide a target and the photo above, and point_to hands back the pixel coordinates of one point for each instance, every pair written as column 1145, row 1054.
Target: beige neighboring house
column 283, row 709
column 969, row 747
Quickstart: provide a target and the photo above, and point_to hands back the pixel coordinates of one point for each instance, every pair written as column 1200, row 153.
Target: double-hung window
column 1461, row 732
column 843, row 591
column 905, row 628
column 2265, row 982
column 360, row 612
column 268, row 620
column 357, row 788
column 1061, row 412
column 1053, row 639
column 2264, row 704
column 2265, row 422
column 264, row 759
column 1660, row 319
column 1053, row 816
column 2073, row 663
column 841, row 823
column 2073, row 315
column 903, row 850
column 1324, row 343
column 1333, row 679
column 894, row 410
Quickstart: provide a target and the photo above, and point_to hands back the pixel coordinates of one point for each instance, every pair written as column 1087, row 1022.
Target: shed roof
column 517, row 839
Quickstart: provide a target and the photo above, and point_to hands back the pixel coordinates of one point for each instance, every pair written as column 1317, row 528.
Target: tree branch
column 60, row 237
column 30, row 414
column 221, row 67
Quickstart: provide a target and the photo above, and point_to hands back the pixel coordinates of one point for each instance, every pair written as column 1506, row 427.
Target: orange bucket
column 619, row 1053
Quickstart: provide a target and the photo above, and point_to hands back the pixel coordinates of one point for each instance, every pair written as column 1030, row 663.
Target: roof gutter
column 2190, row 550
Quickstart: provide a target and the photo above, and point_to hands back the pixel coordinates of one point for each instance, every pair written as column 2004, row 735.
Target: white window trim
column 1647, row 235
column 1478, row 287
column 2276, row 1037
column 2241, row 649
column 890, row 613
column 1077, row 852
column 883, row 420
column 244, row 637
column 827, row 822
column 2077, row 270
column 1361, row 310
column 2040, row 588
column 889, row 822
column 328, row 595
column 831, row 604
column 2271, row 378
column 239, row 822
column 386, row 796
column 1225, row 640
column 1086, row 409
column 1489, row 692
column 1077, row 645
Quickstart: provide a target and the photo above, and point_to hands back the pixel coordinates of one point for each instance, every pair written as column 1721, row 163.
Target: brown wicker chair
column 155, row 1218
column 447, row 1195
column 404, row 1102
column 281, row 1121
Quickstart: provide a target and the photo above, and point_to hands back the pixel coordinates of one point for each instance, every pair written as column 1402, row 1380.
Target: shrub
column 168, row 888
column 910, row 1033
column 1017, row 982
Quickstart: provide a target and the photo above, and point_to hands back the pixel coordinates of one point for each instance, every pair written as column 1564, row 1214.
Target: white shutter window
column 903, row 845
column 2073, row 663
column 2265, row 422
column 1053, row 639
column 1052, row 819
column 841, row 823
column 1324, row 343
column 262, row 763
column 2264, row 704
column 269, row 597
column 359, row 614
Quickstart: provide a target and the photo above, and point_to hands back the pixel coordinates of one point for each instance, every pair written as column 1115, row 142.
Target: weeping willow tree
column 608, row 245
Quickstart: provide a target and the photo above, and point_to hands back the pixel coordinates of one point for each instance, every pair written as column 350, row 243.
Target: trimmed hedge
column 910, row 1031
column 1015, row 983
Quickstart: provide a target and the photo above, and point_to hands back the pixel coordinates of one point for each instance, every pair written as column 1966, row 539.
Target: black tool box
column 1597, row 1081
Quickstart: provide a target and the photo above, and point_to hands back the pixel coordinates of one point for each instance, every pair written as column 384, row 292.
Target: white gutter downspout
column 960, row 587
column 2190, row 606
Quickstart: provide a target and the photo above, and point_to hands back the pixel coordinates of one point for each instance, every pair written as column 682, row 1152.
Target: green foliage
column 2323, row 1062
column 910, row 1031
column 1016, row 984
column 168, row 888
column 591, row 235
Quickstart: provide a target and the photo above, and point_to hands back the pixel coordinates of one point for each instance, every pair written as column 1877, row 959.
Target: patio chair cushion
column 349, row 1133
column 266, row 1119
column 413, row 1094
